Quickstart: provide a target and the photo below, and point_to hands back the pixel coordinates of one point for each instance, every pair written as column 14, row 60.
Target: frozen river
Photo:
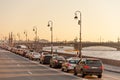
column 102, row 52
column 94, row 51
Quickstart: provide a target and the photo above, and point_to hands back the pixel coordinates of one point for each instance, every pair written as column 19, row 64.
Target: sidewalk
column 112, row 68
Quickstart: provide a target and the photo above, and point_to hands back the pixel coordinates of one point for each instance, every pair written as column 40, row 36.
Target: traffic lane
column 112, row 74
column 106, row 75
column 15, row 67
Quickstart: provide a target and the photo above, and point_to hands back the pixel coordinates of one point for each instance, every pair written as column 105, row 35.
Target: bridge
column 39, row 45
column 107, row 44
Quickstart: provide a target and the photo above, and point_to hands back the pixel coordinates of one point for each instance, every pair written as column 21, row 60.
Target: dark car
column 42, row 54
column 45, row 59
column 56, row 61
column 89, row 66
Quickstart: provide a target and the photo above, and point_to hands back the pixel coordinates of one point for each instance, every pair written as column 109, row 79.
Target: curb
column 112, row 71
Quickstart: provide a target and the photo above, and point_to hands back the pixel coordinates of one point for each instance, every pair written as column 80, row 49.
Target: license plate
column 94, row 67
column 60, row 61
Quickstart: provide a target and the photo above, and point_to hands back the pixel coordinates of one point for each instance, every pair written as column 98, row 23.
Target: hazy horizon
column 100, row 19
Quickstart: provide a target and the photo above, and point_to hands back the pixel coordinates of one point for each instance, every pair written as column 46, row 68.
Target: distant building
column 43, row 41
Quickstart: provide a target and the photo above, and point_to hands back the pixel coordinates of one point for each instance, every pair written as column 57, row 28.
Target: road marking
column 29, row 72
column 12, row 61
column 18, row 65
column 53, row 69
column 84, row 79
column 111, row 76
column 79, row 79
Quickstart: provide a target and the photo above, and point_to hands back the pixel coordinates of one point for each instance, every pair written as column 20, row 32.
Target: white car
column 69, row 64
column 34, row 56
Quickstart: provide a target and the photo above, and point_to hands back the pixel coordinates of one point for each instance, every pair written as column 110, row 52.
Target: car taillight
column 101, row 67
column 56, row 61
column 86, row 67
column 68, row 64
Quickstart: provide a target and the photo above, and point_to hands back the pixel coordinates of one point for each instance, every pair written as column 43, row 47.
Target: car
column 34, row 56
column 56, row 61
column 25, row 51
column 89, row 66
column 28, row 53
column 19, row 51
column 43, row 54
column 45, row 59
column 69, row 64
column 13, row 49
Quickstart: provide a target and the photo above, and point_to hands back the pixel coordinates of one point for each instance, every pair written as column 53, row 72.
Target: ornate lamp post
column 50, row 24
column 25, row 32
column 79, row 23
column 18, row 34
column 35, row 30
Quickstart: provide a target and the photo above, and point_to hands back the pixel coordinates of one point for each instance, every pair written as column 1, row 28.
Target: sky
column 100, row 19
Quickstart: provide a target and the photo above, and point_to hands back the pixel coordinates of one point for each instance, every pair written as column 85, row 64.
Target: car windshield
column 73, row 61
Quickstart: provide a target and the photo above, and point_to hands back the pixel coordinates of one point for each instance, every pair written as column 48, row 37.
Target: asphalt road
column 15, row 67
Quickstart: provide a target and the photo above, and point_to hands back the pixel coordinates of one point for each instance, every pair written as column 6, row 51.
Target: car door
column 65, row 64
column 52, row 61
column 77, row 66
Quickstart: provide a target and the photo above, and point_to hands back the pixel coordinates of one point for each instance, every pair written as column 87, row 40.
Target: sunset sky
column 100, row 18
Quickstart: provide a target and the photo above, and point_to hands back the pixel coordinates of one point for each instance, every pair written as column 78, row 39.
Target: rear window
column 60, row 58
column 46, row 53
column 48, row 56
column 36, row 53
column 93, row 62
column 73, row 61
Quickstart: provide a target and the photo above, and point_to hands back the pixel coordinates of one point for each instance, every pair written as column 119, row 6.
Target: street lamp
column 18, row 34
column 79, row 23
column 35, row 30
column 25, row 32
column 50, row 24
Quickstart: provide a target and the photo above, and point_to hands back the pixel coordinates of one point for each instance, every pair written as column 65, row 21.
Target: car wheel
column 50, row 65
column 99, row 76
column 83, row 75
column 42, row 62
column 62, row 69
column 75, row 72
column 67, row 70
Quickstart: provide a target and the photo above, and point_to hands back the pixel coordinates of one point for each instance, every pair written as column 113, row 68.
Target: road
column 15, row 67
